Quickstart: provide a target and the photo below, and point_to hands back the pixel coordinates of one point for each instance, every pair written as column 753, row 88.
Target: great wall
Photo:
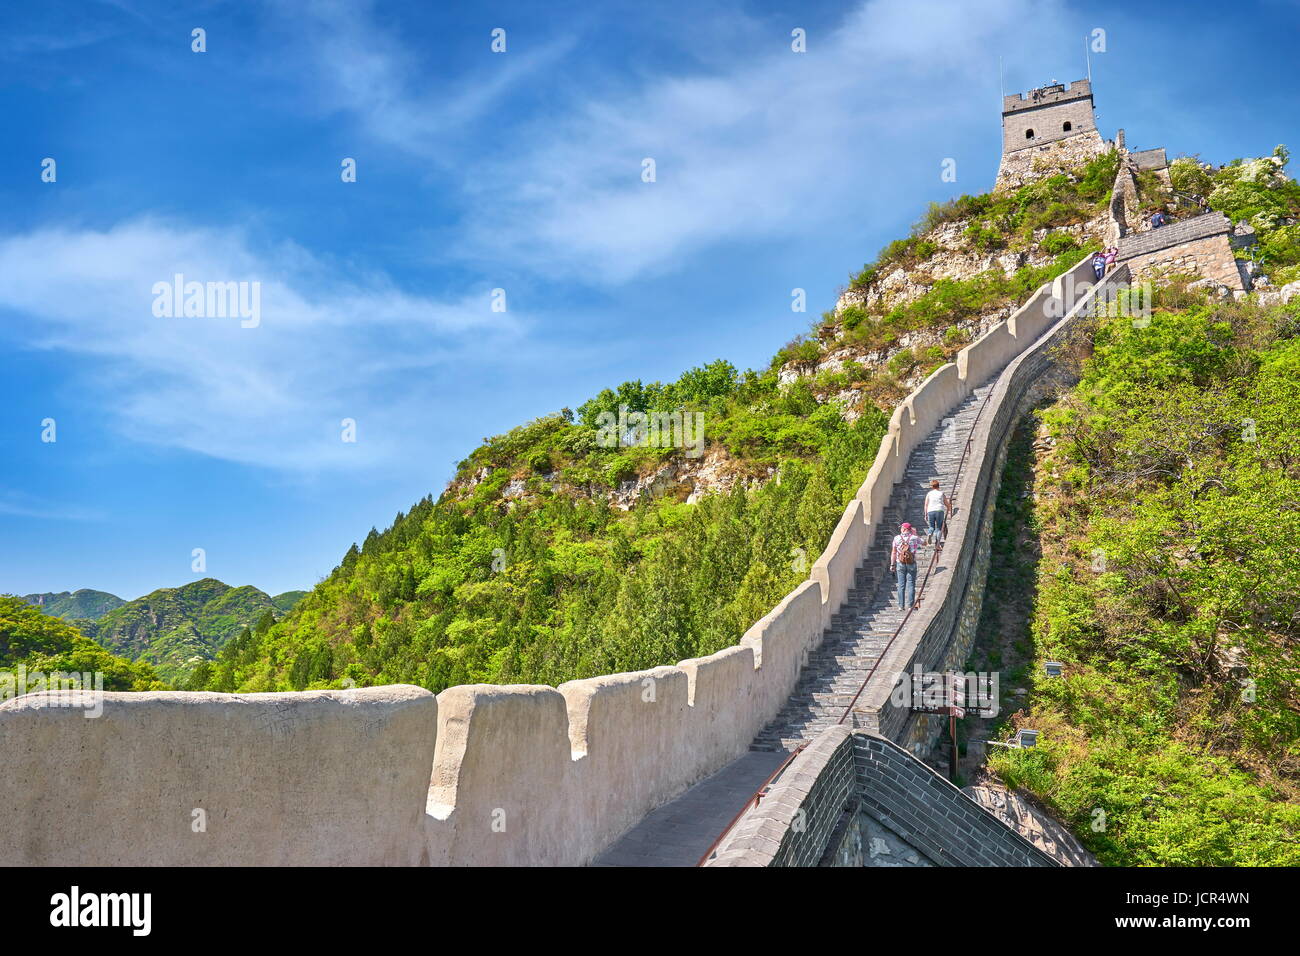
column 657, row 767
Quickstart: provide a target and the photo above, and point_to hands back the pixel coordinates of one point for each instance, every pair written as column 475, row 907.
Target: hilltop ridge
column 552, row 555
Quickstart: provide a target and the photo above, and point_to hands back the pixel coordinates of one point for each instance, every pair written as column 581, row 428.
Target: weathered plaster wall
column 324, row 778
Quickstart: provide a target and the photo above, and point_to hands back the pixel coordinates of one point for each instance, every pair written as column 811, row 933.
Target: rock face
column 954, row 259
column 1280, row 296
column 686, row 479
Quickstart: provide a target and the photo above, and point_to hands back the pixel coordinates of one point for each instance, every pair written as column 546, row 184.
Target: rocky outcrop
column 1280, row 296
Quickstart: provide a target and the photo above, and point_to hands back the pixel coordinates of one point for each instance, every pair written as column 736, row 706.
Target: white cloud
column 353, row 65
column 330, row 345
column 759, row 148
column 759, row 151
column 23, row 505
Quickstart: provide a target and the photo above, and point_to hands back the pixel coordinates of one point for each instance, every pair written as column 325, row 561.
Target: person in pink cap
column 902, row 561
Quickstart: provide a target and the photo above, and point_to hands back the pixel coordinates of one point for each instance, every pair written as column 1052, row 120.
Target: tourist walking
column 1111, row 255
column 1099, row 265
column 937, row 507
column 902, row 561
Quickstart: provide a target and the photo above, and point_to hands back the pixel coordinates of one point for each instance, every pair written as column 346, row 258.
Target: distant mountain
column 172, row 629
column 88, row 604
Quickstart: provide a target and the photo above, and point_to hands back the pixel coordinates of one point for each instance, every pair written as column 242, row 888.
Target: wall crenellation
column 517, row 774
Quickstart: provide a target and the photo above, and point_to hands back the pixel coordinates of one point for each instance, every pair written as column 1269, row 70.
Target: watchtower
column 1046, row 114
column 1033, row 122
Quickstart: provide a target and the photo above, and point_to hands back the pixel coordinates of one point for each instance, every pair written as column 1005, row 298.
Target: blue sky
column 475, row 171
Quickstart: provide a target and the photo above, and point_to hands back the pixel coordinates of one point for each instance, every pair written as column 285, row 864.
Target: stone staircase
column 860, row 630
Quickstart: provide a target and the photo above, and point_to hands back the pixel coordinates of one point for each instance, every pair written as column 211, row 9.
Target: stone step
column 869, row 618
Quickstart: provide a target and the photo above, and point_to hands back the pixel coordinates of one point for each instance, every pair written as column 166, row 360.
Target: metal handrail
column 752, row 801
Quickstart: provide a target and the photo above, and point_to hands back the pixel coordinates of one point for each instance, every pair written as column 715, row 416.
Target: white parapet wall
column 323, row 778
column 483, row 774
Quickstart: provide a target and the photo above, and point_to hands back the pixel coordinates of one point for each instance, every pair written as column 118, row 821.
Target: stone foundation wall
column 1034, row 162
column 854, row 799
column 932, row 814
column 1210, row 258
column 796, row 822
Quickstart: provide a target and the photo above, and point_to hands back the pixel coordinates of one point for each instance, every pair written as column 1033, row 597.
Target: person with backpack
column 902, row 561
column 937, row 507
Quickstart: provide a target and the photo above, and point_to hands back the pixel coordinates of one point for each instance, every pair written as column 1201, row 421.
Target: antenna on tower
column 1087, row 55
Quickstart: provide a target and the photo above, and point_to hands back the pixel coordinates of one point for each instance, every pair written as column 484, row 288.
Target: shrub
column 1056, row 243
column 799, row 349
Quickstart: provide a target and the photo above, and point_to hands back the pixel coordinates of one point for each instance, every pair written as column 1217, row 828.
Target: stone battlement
column 1046, row 96
column 479, row 775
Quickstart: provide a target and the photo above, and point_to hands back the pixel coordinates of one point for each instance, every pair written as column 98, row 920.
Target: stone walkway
column 679, row 832
column 869, row 617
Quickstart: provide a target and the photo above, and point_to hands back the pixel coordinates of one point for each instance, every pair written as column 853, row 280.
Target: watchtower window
column 1067, row 127
column 1029, row 134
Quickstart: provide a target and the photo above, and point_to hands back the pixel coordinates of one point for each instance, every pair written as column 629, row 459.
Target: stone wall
column 794, row 824
column 1150, row 159
column 939, row 635
column 1176, row 233
column 1210, row 258
column 519, row 774
column 853, row 798
column 1030, row 120
column 931, row 814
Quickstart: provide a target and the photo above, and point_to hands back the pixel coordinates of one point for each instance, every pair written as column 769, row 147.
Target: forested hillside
column 47, row 644
column 1169, row 515
column 173, row 629
column 552, row 557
